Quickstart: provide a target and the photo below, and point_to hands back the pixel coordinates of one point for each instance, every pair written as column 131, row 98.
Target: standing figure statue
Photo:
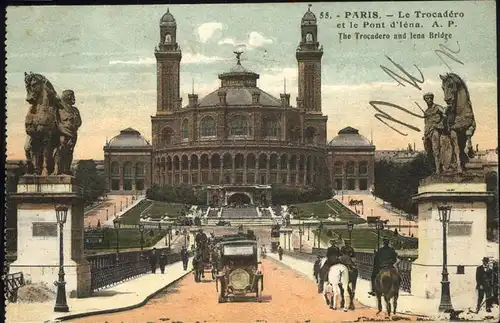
column 69, row 122
column 461, row 119
column 435, row 124
column 41, row 124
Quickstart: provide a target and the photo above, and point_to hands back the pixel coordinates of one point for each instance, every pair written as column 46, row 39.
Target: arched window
column 337, row 168
column 363, row 168
column 167, row 136
column 139, row 169
column 350, row 168
column 168, row 39
column 272, row 128
column 207, row 127
column 115, row 169
column 185, row 129
column 238, row 126
column 309, row 38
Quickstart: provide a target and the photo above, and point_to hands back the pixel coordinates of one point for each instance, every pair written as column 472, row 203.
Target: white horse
column 338, row 275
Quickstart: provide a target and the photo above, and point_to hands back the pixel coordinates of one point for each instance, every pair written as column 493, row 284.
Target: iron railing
column 108, row 269
column 12, row 283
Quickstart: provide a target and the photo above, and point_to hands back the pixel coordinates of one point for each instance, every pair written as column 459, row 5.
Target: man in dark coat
column 162, row 261
column 280, row 252
column 316, row 268
column 484, row 280
column 153, row 259
column 332, row 258
column 347, row 249
column 384, row 257
column 495, row 283
column 185, row 257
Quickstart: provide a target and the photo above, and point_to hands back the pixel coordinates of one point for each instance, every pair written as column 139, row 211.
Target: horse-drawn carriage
column 239, row 273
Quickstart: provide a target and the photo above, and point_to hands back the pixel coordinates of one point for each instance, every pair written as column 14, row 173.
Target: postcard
column 271, row 162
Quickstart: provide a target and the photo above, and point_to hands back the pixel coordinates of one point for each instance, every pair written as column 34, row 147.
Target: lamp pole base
column 445, row 303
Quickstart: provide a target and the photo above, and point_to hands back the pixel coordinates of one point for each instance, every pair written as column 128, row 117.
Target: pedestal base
column 426, row 281
column 76, row 276
column 38, row 240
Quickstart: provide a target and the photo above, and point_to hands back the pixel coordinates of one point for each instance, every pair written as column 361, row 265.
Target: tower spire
column 371, row 136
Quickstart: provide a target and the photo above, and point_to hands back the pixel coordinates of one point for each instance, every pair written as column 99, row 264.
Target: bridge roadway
column 287, row 297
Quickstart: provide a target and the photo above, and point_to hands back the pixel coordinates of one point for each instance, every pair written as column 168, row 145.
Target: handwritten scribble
column 439, row 52
column 384, row 115
column 412, row 80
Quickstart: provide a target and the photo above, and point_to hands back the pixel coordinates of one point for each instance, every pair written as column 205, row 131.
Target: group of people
column 155, row 260
column 334, row 255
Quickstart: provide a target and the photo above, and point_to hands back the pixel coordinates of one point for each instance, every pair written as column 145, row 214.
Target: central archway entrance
column 239, row 199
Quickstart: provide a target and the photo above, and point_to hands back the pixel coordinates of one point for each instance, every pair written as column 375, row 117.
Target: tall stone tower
column 308, row 56
column 168, row 58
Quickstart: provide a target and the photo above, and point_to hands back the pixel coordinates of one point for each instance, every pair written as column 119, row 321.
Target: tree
column 92, row 185
column 398, row 182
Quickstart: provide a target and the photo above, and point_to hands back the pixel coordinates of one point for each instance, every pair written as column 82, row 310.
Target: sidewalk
column 407, row 303
column 124, row 296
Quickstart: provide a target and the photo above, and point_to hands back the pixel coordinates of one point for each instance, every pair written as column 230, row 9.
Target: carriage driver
column 332, row 258
column 384, row 257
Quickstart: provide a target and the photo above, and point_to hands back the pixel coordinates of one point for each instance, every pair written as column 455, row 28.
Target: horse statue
column 41, row 124
column 387, row 283
column 461, row 121
column 339, row 288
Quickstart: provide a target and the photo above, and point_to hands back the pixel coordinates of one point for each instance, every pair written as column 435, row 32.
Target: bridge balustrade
column 106, row 270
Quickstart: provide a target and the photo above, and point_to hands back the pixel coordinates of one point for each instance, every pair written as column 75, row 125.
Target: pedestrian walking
column 162, row 261
column 153, row 259
column 484, row 280
column 280, row 252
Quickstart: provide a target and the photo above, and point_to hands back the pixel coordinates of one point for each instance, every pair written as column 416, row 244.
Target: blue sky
column 106, row 55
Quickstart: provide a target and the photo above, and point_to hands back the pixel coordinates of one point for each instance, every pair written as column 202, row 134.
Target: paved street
column 99, row 213
column 287, row 297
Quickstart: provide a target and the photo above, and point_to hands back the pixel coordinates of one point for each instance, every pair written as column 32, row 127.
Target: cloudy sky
column 106, row 55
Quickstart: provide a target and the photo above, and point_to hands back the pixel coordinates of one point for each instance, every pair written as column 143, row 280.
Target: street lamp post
column 445, row 303
column 320, row 228
column 121, row 206
column 184, row 232
column 141, row 230
column 107, row 218
column 350, row 227
column 116, row 224
column 379, row 225
column 308, row 229
column 169, row 233
column 61, row 303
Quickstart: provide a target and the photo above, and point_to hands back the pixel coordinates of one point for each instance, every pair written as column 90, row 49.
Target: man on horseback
column 332, row 258
column 384, row 257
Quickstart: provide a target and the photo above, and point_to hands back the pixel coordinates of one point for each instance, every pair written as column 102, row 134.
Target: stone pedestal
column 38, row 233
column 286, row 239
column 466, row 234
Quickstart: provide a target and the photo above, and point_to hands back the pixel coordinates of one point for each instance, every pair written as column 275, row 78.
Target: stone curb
column 121, row 309
column 361, row 303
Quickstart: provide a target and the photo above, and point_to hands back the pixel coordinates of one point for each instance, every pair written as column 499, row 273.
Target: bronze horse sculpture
column 51, row 125
column 41, row 124
column 387, row 284
column 461, row 121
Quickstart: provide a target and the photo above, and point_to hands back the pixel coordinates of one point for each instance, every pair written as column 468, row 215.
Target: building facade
column 351, row 161
column 239, row 135
column 127, row 162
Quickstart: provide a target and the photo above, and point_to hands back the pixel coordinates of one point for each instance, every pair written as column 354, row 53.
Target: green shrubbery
column 182, row 193
column 283, row 195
